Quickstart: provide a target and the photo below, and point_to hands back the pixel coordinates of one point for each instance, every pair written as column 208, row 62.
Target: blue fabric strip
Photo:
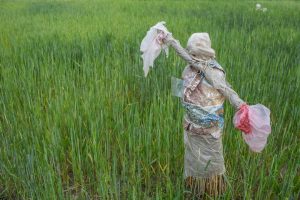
column 202, row 117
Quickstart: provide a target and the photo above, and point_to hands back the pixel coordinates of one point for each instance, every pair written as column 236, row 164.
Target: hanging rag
column 152, row 44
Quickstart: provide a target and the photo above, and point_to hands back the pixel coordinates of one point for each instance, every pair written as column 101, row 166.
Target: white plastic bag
column 254, row 121
column 152, row 45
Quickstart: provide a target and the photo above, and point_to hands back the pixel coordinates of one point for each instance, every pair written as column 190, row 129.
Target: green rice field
column 78, row 119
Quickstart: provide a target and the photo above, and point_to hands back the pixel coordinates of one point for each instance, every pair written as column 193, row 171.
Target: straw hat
column 199, row 46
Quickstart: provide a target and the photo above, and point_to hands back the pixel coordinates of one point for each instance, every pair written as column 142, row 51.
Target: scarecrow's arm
column 214, row 76
column 217, row 79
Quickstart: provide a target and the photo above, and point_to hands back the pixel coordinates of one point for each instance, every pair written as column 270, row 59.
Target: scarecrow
column 203, row 90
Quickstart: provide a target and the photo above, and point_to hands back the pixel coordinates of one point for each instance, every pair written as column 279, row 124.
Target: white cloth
column 152, row 45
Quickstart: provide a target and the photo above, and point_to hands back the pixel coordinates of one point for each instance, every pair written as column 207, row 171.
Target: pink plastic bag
column 254, row 122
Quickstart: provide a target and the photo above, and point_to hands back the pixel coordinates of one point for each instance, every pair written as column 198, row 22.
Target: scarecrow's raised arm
column 213, row 75
column 171, row 41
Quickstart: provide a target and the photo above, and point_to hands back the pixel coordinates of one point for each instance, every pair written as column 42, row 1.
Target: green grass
column 79, row 120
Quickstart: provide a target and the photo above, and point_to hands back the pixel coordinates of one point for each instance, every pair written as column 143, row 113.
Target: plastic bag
column 254, row 122
column 203, row 156
column 177, row 87
column 152, row 45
